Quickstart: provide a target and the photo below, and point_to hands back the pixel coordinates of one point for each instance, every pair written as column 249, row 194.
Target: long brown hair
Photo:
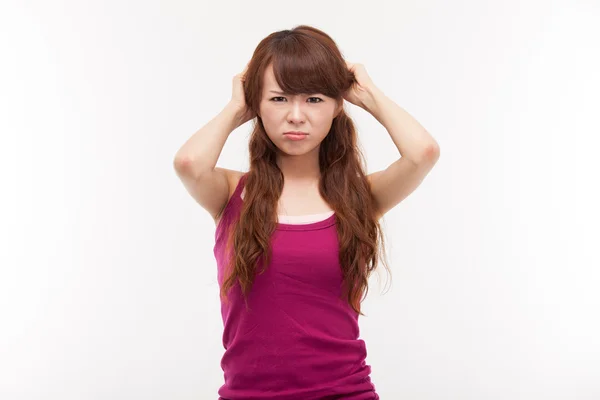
column 306, row 60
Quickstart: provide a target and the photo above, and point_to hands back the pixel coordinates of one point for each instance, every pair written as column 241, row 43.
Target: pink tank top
column 298, row 340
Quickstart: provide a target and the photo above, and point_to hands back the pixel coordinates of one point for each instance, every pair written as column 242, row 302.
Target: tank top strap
column 232, row 208
column 237, row 194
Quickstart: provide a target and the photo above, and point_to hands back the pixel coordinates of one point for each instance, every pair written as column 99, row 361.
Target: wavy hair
column 306, row 60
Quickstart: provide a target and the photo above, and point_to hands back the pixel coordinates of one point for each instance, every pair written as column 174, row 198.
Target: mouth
column 295, row 135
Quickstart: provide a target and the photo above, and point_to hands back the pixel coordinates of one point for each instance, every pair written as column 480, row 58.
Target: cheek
column 324, row 119
column 269, row 122
column 268, row 113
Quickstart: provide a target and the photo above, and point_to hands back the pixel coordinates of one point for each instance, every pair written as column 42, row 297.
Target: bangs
column 306, row 73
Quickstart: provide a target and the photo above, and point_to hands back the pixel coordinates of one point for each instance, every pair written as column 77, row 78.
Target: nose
column 295, row 113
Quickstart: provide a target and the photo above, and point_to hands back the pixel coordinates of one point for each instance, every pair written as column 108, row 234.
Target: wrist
column 372, row 99
column 234, row 114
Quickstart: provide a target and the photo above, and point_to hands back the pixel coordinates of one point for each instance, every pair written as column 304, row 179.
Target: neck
column 300, row 168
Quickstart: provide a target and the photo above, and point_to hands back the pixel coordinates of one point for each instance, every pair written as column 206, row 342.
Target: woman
column 297, row 236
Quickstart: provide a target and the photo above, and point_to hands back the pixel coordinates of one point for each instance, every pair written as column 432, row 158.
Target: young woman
column 297, row 236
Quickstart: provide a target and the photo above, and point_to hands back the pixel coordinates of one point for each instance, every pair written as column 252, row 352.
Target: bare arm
column 195, row 162
column 200, row 153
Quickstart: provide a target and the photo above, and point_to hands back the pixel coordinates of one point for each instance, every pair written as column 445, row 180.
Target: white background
column 108, row 281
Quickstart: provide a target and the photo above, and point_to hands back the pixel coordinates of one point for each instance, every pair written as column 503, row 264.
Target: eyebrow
column 277, row 92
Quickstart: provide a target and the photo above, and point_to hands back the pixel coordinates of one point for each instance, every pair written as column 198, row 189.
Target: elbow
column 181, row 164
column 431, row 153
column 188, row 166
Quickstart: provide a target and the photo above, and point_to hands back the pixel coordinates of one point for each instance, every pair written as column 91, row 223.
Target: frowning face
column 311, row 114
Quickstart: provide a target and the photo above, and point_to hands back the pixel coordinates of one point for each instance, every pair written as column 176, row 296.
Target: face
column 309, row 113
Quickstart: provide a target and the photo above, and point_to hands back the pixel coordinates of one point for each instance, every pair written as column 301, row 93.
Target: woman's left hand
column 362, row 90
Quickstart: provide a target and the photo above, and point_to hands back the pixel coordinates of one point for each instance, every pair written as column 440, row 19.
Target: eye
column 316, row 98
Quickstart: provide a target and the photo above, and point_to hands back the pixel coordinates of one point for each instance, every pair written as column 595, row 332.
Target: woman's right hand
column 238, row 99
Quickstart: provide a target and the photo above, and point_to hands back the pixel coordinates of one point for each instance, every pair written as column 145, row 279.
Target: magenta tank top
column 298, row 340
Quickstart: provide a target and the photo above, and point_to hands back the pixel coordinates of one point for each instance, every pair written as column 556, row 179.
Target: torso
column 295, row 200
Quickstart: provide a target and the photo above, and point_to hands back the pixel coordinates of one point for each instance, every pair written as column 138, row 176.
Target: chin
column 292, row 152
column 298, row 150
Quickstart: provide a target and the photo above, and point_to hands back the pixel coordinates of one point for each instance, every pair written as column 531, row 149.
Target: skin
column 298, row 160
